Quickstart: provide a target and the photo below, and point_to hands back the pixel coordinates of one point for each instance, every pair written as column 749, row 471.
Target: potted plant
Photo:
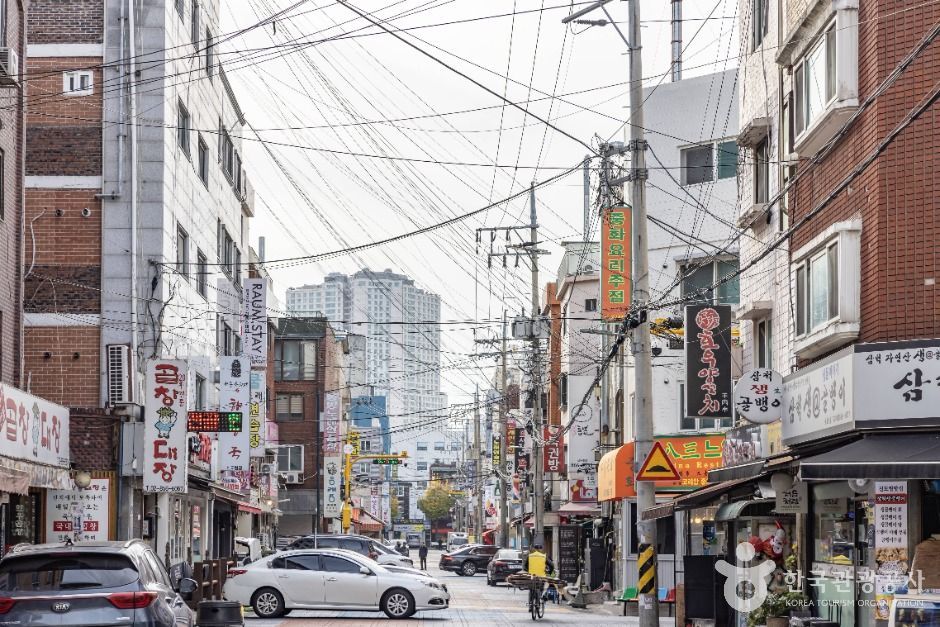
column 775, row 611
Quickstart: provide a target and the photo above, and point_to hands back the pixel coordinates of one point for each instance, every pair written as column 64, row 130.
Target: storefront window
column 835, row 533
column 20, row 520
column 196, row 532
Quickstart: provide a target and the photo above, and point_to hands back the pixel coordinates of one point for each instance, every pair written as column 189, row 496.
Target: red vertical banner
column 552, row 457
column 616, row 262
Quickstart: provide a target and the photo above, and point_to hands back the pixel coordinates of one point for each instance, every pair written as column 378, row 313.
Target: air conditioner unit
column 119, row 373
column 9, row 67
column 291, row 477
column 268, row 469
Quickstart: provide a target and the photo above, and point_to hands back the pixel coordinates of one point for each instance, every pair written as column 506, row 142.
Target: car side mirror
column 364, row 571
column 186, row 588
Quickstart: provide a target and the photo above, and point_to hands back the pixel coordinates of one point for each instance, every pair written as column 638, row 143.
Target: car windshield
column 508, row 554
column 45, row 573
column 381, row 548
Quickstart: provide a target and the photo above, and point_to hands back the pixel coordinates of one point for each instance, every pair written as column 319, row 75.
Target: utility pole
column 478, row 468
column 642, row 355
column 538, row 509
column 503, row 423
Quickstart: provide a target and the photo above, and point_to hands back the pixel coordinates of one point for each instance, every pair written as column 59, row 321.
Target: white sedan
column 331, row 579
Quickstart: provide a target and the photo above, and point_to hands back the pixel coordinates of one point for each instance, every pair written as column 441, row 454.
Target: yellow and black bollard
column 646, row 568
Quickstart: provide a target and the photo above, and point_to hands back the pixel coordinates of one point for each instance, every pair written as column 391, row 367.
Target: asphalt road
column 472, row 602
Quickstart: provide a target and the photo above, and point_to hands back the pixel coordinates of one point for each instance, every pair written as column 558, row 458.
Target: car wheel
column 398, row 603
column 268, row 603
column 469, row 568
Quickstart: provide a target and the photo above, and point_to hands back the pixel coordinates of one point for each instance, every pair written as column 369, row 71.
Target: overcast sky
column 309, row 103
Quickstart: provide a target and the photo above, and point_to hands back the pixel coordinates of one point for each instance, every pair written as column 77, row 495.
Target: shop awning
column 366, row 521
column 251, row 509
column 888, row 456
column 18, row 476
column 734, row 473
column 701, row 497
column 579, row 509
column 739, row 509
column 615, row 474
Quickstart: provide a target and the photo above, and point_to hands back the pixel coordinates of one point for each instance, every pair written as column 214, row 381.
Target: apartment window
column 422, row 446
column 227, row 155
column 590, row 304
column 422, row 465
column 698, row 164
column 179, row 8
column 727, row 159
column 203, row 162
column 698, row 281
column 295, row 360
column 182, row 129
column 289, row 407
column 194, row 29
column 202, row 274
column 761, row 172
column 401, row 490
column 665, row 534
column 438, row 446
column 563, row 390
column 455, row 446
column 209, row 53
column 290, row 458
column 815, row 80
column 182, row 252
column 200, row 392
column 758, row 22
column 817, row 289
column 763, row 342
column 80, row 83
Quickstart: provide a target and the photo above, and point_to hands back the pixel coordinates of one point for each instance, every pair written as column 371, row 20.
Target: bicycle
column 536, row 602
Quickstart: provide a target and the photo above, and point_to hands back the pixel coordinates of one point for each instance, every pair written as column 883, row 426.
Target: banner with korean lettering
column 257, row 410
column 165, row 407
column 332, row 501
column 255, row 321
column 616, row 256
column 496, row 451
column 234, row 395
column 330, row 423
column 79, row 514
column 33, row 429
column 891, row 540
column 708, row 361
column 552, row 459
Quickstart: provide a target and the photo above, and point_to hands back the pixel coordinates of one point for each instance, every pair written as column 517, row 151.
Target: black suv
column 91, row 583
column 467, row 560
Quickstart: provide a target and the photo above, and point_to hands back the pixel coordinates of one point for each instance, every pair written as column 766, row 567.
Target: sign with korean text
column 352, row 439
column 165, row 407
column 552, row 459
column 234, row 395
column 890, row 542
column 510, row 455
column 897, row 381
column 200, row 451
column 255, row 322
column 708, row 361
column 257, row 406
column 817, row 400
column 582, row 440
column 32, row 428
column 657, row 466
column 519, row 453
column 79, row 514
column 744, row 444
column 793, row 501
column 758, row 396
column 692, row 457
column 616, row 256
column 332, row 500
column 496, row 449
column 332, row 433
column 569, row 548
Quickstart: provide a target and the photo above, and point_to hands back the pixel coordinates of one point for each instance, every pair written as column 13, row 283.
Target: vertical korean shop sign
column 708, row 361
column 165, row 408
column 332, row 455
column 890, row 543
column 255, row 321
column 256, row 413
column 616, row 263
column 234, row 395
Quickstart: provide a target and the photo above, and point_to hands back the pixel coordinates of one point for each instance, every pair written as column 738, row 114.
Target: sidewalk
column 612, row 608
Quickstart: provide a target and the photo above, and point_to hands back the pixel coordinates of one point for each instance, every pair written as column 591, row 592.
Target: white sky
column 315, row 201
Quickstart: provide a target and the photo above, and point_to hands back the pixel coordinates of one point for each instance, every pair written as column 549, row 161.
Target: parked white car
column 331, row 579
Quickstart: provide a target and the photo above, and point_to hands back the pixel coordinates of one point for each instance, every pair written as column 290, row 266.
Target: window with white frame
column 422, row 465
column 759, row 11
column 290, row 458
column 78, row 83
column 289, row 407
column 699, row 279
column 182, row 128
column 200, row 392
column 590, row 304
column 817, row 289
column 202, row 274
column 763, row 344
column 182, row 252
column 762, row 171
column 814, row 80
column 422, row 446
column 365, row 445
column 438, row 446
column 699, row 162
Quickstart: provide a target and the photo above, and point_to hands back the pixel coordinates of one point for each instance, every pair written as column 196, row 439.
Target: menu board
column 569, row 544
column 890, row 543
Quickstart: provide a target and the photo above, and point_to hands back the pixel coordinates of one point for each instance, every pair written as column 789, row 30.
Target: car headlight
column 433, row 584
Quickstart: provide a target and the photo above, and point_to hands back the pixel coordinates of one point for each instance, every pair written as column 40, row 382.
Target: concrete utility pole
column 538, row 509
column 642, row 355
column 503, row 423
column 478, row 468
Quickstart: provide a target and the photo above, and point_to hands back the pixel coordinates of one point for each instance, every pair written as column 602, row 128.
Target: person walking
column 423, row 554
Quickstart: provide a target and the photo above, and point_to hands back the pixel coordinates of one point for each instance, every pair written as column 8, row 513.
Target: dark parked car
column 91, row 583
column 504, row 563
column 468, row 560
column 360, row 544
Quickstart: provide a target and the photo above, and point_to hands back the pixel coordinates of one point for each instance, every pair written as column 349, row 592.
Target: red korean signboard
column 708, row 361
column 616, row 256
column 552, row 458
column 165, row 448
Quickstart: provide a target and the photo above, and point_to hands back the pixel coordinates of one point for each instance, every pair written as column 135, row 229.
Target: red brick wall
column 92, row 439
column 66, row 21
column 11, row 127
column 896, row 196
column 62, row 378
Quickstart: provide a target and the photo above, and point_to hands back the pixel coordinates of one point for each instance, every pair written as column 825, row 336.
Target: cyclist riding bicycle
column 537, row 564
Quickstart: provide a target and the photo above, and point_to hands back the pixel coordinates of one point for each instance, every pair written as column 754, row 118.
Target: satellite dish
column 860, row 486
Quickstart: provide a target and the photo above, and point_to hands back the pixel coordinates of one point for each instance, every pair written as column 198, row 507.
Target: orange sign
column 616, row 256
column 657, row 466
column 691, row 456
